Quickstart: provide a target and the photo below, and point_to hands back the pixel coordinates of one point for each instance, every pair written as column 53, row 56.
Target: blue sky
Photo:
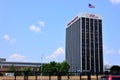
column 30, row 29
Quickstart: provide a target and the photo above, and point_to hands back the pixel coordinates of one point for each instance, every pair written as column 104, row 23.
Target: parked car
column 9, row 74
column 110, row 77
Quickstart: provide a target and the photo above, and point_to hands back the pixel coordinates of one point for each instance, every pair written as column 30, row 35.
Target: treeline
column 54, row 68
column 115, row 70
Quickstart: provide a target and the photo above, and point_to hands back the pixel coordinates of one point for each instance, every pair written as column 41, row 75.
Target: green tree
column 64, row 67
column 58, row 67
column 54, row 68
column 26, row 69
column 115, row 69
column 11, row 68
column 45, row 69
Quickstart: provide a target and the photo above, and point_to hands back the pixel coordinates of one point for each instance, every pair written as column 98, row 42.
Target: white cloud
column 34, row 28
column 41, row 23
column 8, row 38
column 37, row 28
column 119, row 51
column 17, row 57
column 56, row 53
column 115, row 1
column 109, row 51
column 105, row 47
column 107, row 65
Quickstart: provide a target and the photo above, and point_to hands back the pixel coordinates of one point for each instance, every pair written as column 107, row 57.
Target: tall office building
column 84, row 46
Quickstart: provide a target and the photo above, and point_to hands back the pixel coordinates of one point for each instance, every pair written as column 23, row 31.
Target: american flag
column 91, row 6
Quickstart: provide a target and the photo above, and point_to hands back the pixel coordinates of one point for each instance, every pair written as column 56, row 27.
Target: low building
column 2, row 59
column 4, row 65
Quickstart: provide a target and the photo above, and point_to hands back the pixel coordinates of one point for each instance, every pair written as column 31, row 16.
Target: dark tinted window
column 116, row 78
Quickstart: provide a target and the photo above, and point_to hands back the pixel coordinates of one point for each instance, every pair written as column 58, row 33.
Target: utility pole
column 41, row 65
